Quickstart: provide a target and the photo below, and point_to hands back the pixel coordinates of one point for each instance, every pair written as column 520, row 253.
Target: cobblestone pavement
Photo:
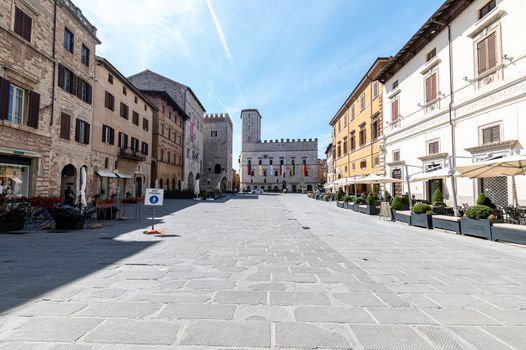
column 274, row 271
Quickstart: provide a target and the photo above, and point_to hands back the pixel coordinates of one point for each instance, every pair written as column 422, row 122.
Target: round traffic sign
column 154, row 199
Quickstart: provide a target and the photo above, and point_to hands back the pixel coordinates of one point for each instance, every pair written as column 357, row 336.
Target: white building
column 457, row 90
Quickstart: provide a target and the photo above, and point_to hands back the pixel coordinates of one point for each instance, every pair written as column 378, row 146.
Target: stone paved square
column 350, row 281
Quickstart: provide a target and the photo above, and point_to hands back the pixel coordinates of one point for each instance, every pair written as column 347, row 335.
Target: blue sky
column 295, row 61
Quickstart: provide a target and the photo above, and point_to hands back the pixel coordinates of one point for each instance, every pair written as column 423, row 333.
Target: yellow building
column 356, row 131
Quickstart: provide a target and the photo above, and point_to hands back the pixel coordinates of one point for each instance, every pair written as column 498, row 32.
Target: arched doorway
column 284, row 185
column 68, row 181
column 217, row 169
column 223, row 186
column 190, row 181
column 138, row 187
column 179, row 185
column 294, row 188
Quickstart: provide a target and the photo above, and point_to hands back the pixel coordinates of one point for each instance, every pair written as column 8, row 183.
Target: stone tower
column 250, row 126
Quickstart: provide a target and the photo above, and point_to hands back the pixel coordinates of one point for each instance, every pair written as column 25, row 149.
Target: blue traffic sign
column 154, row 199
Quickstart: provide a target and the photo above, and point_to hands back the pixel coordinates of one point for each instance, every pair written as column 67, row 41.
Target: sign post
column 154, row 198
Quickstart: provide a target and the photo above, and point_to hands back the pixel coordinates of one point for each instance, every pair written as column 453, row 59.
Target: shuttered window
column 487, row 53
column 145, row 124
column 82, row 132
column 395, row 110
column 433, row 147
column 108, row 135
column 34, row 110
column 84, row 91
column 431, row 88
column 353, row 140
column 4, row 98
column 123, row 140
column 109, row 101
column 134, row 144
column 362, row 101
column 124, row 111
column 65, row 126
column 144, row 148
column 84, row 56
column 135, row 118
column 69, row 40
column 23, row 24
column 396, row 156
column 491, row 135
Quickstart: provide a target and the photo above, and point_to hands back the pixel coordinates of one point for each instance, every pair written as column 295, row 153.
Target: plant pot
column 509, row 233
column 422, row 220
column 69, row 224
column 478, row 228
column 362, row 208
column 339, row 204
column 9, row 226
column 446, row 223
column 399, row 215
column 371, row 210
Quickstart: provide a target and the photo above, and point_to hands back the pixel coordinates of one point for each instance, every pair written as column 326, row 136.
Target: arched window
column 169, row 157
column 161, row 156
column 162, row 129
column 169, row 134
column 217, row 169
column 106, row 163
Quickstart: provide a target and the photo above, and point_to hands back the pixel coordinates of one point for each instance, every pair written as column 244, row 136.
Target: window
column 124, row 111
column 136, row 99
column 65, row 125
column 213, row 133
column 491, row 134
column 110, row 79
column 145, row 124
column 162, row 155
column 362, row 101
column 134, row 144
column 362, row 135
column 431, row 54
column 433, row 147
column 375, row 130
column 123, row 140
column 339, row 150
column 353, row 140
column 16, row 104
column 23, row 24
column 66, row 79
column 339, row 125
column 395, row 110
column 431, row 88
column 169, row 134
column 345, row 145
column 82, row 132
column 376, row 161
column 352, row 112
column 144, row 148
column 109, row 101
column 162, row 129
column 363, row 164
column 217, row 169
column 345, row 119
column 69, row 40
column 108, row 135
column 124, row 91
column 375, row 89
column 487, row 8
column 487, row 53
column 84, row 56
column 84, row 90
column 396, row 156
column 135, row 118
column 395, row 84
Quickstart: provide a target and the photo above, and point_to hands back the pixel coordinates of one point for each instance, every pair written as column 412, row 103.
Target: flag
column 304, row 168
column 281, row 169
column 249, row 168
column 259, row 170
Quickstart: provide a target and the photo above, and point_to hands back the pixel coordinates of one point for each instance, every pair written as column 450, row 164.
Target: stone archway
column 190, row 181
column 68, row 180
column 223, row 186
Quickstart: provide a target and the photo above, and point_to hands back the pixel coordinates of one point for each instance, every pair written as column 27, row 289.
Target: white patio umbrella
column 438, row 174
column 377, row 179
column 506, row 166
column 196, row 188
column 83, row 202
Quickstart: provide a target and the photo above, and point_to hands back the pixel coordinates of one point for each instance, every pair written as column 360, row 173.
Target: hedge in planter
column 13, row 220
column 421, row 216
column 371, row 207
column 347, row 200
column 438, row 205
column 396, row 206
column 68, row 219
column 476, row 223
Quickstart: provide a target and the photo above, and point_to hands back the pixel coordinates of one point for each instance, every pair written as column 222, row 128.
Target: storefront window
column 14, row 179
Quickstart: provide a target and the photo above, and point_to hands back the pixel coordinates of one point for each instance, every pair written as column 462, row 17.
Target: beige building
column 47, row 67
column 121, row 135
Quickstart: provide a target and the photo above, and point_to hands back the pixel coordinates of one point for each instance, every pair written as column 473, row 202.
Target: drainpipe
column 53, row 87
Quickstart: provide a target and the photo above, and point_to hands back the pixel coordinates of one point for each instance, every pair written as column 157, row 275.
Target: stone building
column 217, row 157
column 322, row 171
column 274, row 165
column 235, row 180
column 191, row 110
column 47, row 61
column 121, row 135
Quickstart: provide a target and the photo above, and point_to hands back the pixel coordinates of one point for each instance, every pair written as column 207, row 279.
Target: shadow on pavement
column 34, row 264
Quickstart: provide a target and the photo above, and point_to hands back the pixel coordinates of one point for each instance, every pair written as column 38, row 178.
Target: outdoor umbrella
column 377, row 179
column 83, row 187
column 439, row 174
column 196, row 188
column 506, row 166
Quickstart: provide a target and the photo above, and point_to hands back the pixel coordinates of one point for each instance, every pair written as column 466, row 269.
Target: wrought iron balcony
column 131, row 154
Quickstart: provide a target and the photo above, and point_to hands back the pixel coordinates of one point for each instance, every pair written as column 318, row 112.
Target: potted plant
column 357, row 203
column 326, row 197
column 422, row 215
column 339, row 198
column 397, row 208
column 13, row 220
column 438, row 206
column 476, row 221
column 371, row 208
column 347, row 202
column 68, row 219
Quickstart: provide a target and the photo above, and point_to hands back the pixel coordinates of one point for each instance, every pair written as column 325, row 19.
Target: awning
column 105, row 174
column 506, row 166
column 123, row 176
column 442, row 173
column 376, row 179
column 16, row 179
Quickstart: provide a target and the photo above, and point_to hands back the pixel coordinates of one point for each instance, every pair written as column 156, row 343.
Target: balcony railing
column 131, row 154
